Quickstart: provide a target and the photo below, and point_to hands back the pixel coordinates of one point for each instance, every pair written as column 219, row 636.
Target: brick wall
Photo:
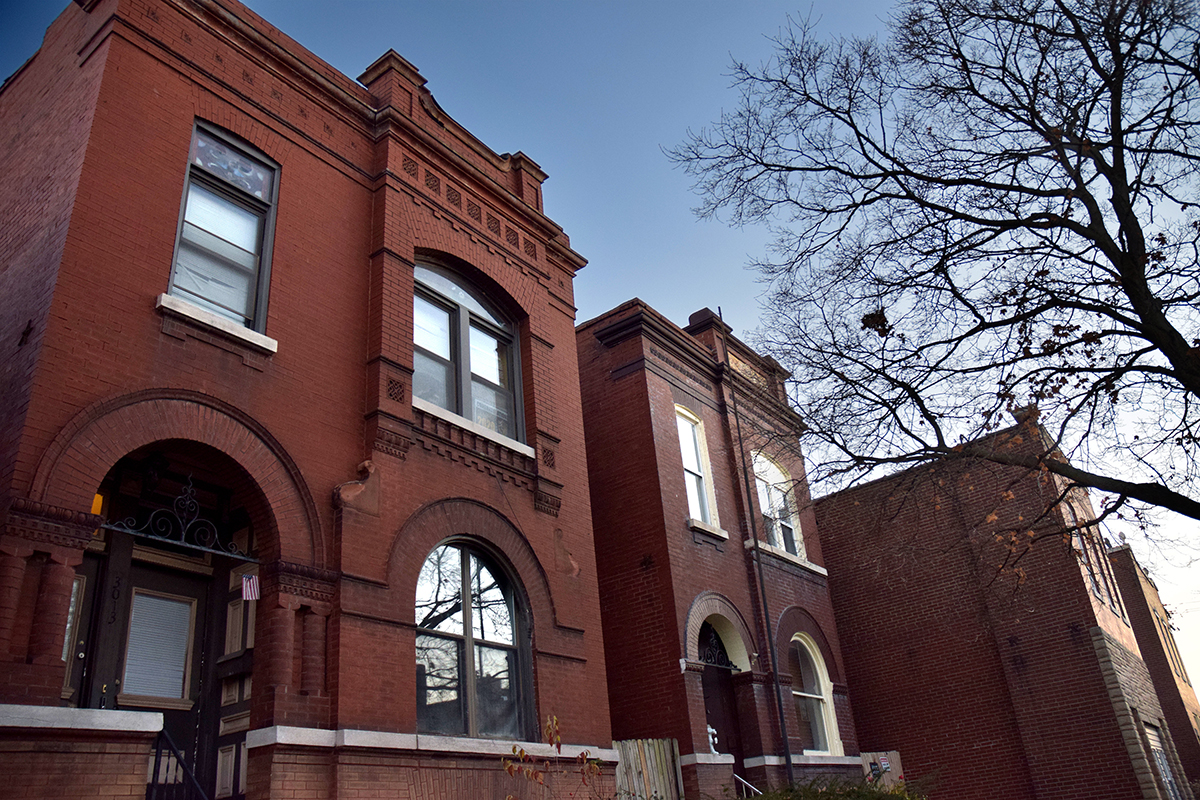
column 966, row 627
column 1175, row 695
column 660, row 579
column 71, row 765
column 372, row 178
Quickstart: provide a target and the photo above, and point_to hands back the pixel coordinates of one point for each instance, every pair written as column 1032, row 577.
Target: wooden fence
column 649, row 770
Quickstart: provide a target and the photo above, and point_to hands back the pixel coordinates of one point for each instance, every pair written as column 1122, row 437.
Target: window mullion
column 462, row 354
column 468, row 677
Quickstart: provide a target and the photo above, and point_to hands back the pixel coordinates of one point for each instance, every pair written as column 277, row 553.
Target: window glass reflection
column 491, row 616
column 439, row 696
column 439, row 592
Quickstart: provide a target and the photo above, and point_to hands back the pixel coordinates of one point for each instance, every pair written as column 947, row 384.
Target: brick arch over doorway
column 96, row 438
column 440, row 520
column 708, row 604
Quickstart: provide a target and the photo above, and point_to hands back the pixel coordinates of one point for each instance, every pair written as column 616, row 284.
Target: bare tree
column 993, row 208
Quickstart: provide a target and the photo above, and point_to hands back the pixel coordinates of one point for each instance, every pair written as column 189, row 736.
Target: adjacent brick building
column 985, row 637
column 322, row 335
column 700, row 574
column 1151, row 624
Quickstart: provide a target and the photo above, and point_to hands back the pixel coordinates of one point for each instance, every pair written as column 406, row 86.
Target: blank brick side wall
column 47, row 108
column 948, row 656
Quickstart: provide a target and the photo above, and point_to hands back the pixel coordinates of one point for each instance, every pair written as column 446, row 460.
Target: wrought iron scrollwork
column 714, row 653
column 182, row 525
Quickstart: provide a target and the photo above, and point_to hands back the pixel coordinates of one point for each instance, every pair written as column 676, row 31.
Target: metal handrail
column 748, row 789
column 191, row 788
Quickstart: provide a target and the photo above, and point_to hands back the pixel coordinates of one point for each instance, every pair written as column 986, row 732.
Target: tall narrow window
column 1159, row 753
column 777, row 505
column 469, row 666
column 463, row 354
column 813, row 695
column 695, row 465
column 221, row 258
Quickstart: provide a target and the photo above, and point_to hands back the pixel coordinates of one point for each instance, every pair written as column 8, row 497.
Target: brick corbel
column 311, row 586
column 48, row 528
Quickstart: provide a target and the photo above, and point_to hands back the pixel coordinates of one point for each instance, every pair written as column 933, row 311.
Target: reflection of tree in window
column 467, row 677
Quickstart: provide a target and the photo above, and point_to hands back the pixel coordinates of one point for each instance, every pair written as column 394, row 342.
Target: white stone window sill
column 380, row 740
column 472, row 426
column 174, row 305
column 818, row 757
column 703, row 527
column 784, row 555
column 80, row 719
column 688, row 759
column 810, row 758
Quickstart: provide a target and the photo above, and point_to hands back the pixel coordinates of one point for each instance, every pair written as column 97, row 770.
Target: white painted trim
column 208, row 319
column 383, row 740
column 704, row 527
column 807, row 759
column 380, row 739
column 784, row 555
column 286, row 734
column 472, row 426
column 80, row 719
column 689, row 759
column 818, row 760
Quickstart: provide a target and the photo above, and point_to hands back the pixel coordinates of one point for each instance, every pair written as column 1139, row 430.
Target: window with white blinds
column 160, row 645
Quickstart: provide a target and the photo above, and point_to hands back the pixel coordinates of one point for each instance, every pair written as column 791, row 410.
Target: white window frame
column 226, row 190
column 777, row 505
column 467, row 312
column 833, row 738
column 702, row 506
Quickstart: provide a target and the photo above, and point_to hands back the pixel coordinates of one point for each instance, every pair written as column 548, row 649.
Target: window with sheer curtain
column 222, row 253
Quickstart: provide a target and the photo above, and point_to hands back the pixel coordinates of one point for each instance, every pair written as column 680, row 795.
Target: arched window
column 776, row 501
column 813, row 695
column 470, row 663
column 464, row 358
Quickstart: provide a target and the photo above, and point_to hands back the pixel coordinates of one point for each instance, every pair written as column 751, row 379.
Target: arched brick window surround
column 88, row 446
column 445, row 519
column 725, row 618
column 795, row 619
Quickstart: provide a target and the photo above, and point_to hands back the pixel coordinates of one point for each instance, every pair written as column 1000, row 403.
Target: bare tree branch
column 994, row 208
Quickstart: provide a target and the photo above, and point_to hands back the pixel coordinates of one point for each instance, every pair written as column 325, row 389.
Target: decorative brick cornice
column 754, row 677
column 300, row 580
column 546, row 503
column 47, row 524
column 441, row 437
column 394, row 444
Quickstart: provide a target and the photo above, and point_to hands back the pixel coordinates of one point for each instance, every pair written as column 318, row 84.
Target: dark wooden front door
column 720, row 709
column 167, row 631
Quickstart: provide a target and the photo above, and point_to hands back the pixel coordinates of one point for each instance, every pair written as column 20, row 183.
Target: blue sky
column 592, row 92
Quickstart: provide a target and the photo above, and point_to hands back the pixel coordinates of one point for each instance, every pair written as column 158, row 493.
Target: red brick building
column 700, row 574
column 987, row 642
column 1151, row 624
column 266, row 331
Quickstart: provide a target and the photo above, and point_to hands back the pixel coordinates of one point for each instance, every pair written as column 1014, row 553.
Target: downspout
column 762, row 585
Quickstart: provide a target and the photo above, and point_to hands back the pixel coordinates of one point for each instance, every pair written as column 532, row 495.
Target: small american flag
column 250, row 587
